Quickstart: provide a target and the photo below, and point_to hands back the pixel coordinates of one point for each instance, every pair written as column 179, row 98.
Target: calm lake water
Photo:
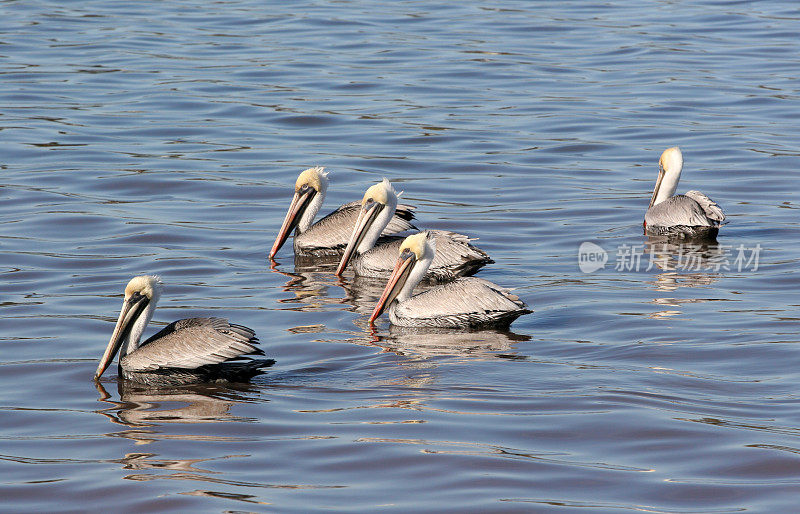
column 150, row 137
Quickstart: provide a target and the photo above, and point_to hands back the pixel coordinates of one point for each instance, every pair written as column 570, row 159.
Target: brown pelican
column 187, row 350
column 692, row 214
column 467, row 302
column 329, row 235
column 455, row 256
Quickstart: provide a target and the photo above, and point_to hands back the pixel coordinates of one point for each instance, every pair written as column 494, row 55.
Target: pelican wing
column 191, row 343
column 400, row 222
column 455, row 256
column 709, row 206
column 467, row 301
column 681, row 210
column 334, row 230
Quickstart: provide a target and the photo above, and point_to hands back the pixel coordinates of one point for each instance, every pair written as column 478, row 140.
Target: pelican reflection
column 309, row 288
column 424, row 342
column 692, row 265
column 313, row 287
column 691, row 260
column 142, row 406
column 475, row 344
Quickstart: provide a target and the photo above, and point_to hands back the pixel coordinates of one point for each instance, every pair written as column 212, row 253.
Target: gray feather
column 691, row 210
column 455, row 257
column 709, row 206
column 464, row 303
column 192, row 343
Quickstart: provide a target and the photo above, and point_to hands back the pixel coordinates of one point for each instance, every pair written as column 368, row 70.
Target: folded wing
column 192, row 343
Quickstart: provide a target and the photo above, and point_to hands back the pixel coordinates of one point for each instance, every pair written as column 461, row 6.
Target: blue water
column 165, row 138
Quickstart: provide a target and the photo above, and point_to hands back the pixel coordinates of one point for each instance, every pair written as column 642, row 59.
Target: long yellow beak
column 366, row 217
column 130, row 312
column 396, row 282
column 299, row 204
column 658, row 185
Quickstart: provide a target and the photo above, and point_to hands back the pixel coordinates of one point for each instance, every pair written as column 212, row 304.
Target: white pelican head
column 669, row 173
column 416, row 255
column 141, row 295
column 309, row 193
column 377, row 208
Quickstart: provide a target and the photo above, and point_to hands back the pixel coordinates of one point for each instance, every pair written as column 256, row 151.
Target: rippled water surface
column 150, row 137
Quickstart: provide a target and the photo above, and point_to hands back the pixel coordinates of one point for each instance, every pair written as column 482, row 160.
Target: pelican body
column 329, row 235
column 185, row 351
column 467, row 302
column 455, row 255
column 689, row 215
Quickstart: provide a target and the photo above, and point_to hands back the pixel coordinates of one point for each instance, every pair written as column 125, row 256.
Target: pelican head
column 377, row 208
column 141, row 295
column 669, row 173
column 416, row 255
column 309, row 193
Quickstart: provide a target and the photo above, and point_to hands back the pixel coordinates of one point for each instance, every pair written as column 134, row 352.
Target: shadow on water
column 140, row 405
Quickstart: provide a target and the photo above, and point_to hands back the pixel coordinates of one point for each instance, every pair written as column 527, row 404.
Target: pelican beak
column 396, row 282
column 658, row 184
column 365, row 220
column 302, row 198
column 131, row 309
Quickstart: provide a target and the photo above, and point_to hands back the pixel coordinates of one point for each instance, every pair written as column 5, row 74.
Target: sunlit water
column 166, row 137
